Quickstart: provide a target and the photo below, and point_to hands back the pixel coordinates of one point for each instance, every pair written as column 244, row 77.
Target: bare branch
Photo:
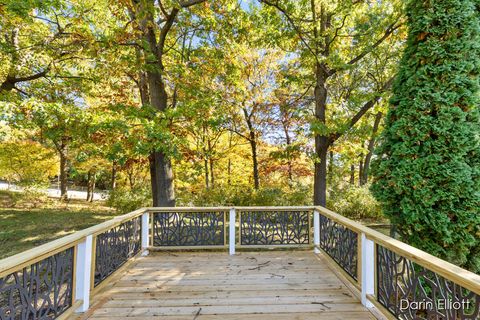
column 337, row 30
column 33, row 76
column 186, row 4
column 367, row 106
column 162, row 8
column 292, row 23
column 165, row 29
column 234, row 130
column 10, row 81
column 387, row 33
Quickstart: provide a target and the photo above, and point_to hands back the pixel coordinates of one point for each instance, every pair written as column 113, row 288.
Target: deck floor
column 206, row 285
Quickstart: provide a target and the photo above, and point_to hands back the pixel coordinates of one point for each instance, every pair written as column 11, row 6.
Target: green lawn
column 35, row 220
column 24, row 228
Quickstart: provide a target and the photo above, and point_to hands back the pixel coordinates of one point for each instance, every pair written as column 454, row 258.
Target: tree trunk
column 371, row 145
column 252, row 139
column 229, row 166
column 322, row 142
column 89, row 178
column 320, row 182
column 131, row 179
column 256, row 178
column 288, row 141
column 161, row 174
column 212, row 176
column 360, row 170
column 63, row 172
column 92, row 190
column 229, row 171
column 352, row 174
column 211, row 163
column 113, row 182
column 330, row 167
column 206, row 154
column 205, row 166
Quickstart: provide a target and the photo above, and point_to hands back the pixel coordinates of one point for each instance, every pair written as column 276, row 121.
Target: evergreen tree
column 427, row 171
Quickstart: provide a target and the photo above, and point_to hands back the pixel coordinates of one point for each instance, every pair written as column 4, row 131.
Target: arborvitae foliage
column 427, row 171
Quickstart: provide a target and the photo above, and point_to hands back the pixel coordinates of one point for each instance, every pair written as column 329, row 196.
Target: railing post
column 316, row 230
column 368, row 270
column 83, row 270
column 145, row 232
column 231, row 238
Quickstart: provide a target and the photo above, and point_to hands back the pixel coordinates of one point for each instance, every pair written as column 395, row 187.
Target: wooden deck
column 250, row 285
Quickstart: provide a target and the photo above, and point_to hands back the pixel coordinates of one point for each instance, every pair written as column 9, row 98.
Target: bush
column 246, row 196
column 355, row 203
column 124, row 200
column 350, row 201
column 427, row 172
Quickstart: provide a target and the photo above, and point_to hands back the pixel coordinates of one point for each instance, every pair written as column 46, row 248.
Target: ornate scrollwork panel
column 40, row 291
column 340, row 243
column 274, row 227
column 115, row 246
column 410, row 291
column 189, row 229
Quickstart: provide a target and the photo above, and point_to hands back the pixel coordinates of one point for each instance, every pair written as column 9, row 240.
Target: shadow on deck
column 214, row 285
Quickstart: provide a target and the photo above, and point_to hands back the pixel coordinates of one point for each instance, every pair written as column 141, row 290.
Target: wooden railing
column 55, row 279
column 58, row 278
column 401, row 281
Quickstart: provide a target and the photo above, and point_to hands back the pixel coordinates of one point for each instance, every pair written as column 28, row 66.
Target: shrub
column 355, row 203
column 246, row 196
column 125, row 200
column 427, row 174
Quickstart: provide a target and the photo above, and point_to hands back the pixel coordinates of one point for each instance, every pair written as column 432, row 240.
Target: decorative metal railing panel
column 40, row 291
column 114, row 247
column 341, row 244
column 410, row 291
column 274, row 227
column 189, row 229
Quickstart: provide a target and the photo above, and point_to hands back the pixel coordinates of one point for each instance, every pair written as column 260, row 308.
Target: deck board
column 215, row 286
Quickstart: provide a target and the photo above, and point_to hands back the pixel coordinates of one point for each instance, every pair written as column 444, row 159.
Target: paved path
column 55, row 193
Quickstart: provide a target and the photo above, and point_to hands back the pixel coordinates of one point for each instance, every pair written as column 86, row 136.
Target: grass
column 30, row 219
column 23, row 227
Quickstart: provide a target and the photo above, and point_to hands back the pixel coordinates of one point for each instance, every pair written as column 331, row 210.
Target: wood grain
column 213, row 285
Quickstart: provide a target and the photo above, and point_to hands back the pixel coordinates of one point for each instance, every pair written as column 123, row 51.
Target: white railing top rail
column 465, row 278
column 23, row 259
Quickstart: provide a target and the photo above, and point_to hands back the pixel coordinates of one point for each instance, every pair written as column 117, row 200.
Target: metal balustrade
column 173, row 228
column 275, row 227
column 56, row 279
column 115, row 247
column 401, row 282
column 42, row 290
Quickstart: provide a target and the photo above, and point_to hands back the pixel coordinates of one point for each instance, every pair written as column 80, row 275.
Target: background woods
column 207, row 100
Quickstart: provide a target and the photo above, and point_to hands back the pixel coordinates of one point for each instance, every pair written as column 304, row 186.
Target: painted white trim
column 368, row 270
column 82, row 272
column 316, row 231
column 145, row 232
column 231, row 239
